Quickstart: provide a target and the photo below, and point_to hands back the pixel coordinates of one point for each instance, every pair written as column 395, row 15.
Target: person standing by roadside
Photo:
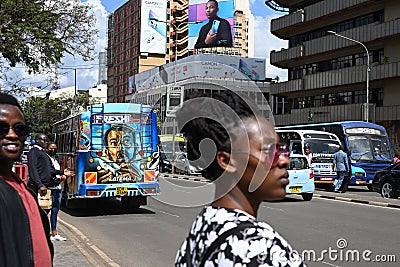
column 39, row 166
column 24, row 227
column 307, row 153
column 341, row 166
column 56, row 191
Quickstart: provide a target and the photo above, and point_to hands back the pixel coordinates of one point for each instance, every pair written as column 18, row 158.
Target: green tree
column 38, row 33
column 41, row 113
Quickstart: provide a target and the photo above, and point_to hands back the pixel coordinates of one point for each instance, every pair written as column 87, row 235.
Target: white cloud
column 265, row 42
column 86, row 78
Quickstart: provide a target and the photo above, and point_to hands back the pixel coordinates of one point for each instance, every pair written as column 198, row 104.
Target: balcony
column 336, row 78
column 371, row 34
column 337, row 113
column 387, row 113
column 322, row 114
column 320, row 14
column 178, row 5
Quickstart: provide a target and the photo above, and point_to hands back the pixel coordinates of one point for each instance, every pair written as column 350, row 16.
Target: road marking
column 273, row 208
column 330, row 264
column 100, row 253
column 167, row 213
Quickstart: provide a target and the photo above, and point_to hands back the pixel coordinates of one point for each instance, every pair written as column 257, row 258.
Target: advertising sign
column 153, row 34
column 203, row 65
column 214, row 23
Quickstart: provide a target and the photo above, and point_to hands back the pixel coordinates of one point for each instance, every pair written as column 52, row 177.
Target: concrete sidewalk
column 78, row 251
column 67, row 254
column 356, row 198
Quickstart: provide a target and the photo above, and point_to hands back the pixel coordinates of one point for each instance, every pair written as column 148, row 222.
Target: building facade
column 123, row 51
column 205, row 73
column 125, row 58
column 327, row 74
column 102, row 68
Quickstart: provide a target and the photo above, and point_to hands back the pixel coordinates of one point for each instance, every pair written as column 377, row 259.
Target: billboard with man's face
column 153, row 34
column 210, row 23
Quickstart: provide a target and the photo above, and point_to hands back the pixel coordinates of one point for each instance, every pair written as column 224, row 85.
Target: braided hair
column 197, row 123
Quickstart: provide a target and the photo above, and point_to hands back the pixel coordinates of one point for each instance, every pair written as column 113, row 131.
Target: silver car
column 182, row 165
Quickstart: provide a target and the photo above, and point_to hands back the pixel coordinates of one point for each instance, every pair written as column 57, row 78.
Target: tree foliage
column 37, row 33
column 41, row 113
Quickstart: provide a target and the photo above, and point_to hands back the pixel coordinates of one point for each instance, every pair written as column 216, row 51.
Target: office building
column 102, row 68
column 327, row 74
column 146, row 34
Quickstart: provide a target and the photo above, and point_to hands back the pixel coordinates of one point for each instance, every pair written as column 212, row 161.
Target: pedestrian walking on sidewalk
column 56, row 191
column 341, row 166
column 24, row 227
column 227, row 232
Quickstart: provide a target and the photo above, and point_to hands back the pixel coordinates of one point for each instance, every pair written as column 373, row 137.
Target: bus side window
column 296, row 148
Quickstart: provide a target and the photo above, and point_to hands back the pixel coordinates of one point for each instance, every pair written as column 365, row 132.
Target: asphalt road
column 150, row 236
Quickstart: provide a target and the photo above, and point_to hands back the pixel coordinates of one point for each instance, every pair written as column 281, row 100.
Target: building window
column 341, row 98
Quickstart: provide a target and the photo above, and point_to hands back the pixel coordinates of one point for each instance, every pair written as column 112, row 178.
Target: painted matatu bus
column 113, row 149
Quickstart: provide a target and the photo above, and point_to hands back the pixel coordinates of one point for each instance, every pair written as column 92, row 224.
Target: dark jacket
column 224, row 36
column 15, row 235
column 40, row 167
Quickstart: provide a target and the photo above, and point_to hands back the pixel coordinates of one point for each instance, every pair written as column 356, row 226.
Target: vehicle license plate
column 295, row 189
column 323, row 166
column 122, row 191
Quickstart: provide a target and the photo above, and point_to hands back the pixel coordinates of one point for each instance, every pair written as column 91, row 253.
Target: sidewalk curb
column 360, row 201
column 319, row 194
column 83, row 244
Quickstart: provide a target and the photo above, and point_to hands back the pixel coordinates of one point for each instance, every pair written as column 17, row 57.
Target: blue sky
column 87, row 78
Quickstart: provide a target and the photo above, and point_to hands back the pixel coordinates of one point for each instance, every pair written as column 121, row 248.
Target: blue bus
column 367, row 145
column 113, row 149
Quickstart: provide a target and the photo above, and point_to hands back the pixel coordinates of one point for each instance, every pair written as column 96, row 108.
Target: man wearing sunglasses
column 40, row 167
column 24, row 227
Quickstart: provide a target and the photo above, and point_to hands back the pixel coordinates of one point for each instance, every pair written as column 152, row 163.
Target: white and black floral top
column 258, row 246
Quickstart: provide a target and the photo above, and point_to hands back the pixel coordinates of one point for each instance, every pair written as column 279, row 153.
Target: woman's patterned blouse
column 260, row 245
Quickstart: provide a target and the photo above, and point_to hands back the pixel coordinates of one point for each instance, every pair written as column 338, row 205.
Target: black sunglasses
column 19, row 129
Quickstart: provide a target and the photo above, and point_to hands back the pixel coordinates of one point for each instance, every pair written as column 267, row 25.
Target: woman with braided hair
column 236, row 147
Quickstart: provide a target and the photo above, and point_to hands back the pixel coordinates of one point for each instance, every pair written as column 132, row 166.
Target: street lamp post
column 75, row 83
column 368, row 67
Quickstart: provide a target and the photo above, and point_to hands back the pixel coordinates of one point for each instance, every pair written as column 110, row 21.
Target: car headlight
column 359, row 174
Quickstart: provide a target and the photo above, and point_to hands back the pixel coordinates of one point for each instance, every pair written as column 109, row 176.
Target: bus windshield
column 322, row 146
column 368, row 147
